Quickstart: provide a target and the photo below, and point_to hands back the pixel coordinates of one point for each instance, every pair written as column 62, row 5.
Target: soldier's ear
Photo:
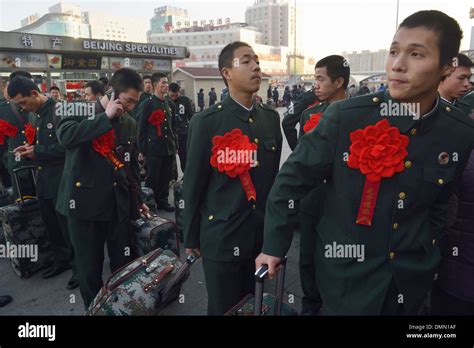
column 447, row 70
column 339, row 82
column 226, row 74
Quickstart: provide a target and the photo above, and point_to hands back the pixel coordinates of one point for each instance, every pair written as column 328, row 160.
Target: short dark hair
column 463, row 60
column 55, row 88
column 336, row 66
column 96, row 87
column 125, row 79
column 226, row 56
column 21, row 85
column 23, row 73
column 146, row 77
column 448, row 30
column 104, row 80
column 156, row 77
column 174, row 87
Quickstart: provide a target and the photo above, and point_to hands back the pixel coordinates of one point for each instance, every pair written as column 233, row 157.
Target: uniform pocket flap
column 437, row 175
column 221, row 213
column 270, row 144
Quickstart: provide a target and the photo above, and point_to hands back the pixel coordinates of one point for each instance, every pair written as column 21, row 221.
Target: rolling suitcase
column 154, row 232
column 263, row 303
column 179, row 204
column 142, row 287
column 23, row 229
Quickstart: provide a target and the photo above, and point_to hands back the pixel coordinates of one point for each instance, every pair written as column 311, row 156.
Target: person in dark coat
column 201, row 99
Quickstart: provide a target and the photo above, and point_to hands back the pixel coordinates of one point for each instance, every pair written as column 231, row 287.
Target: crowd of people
column 383, row 202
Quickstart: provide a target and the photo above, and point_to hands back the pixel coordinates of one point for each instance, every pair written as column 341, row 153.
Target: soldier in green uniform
column 43, row 148
column 457, row 84
column 157, row 140
column 293, row 115
column 331, row 79
column 466, row 104
column 234, row 151
column 11, row 113
column 183, row 111
column 389, row 176
column 100, row 181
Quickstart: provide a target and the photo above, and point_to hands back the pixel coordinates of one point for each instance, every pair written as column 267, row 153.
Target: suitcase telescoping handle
column 17, row 182
column 260, row 276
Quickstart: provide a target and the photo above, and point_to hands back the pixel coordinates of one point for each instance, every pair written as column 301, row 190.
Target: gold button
column 402, row 195
column 257, row 163
column 434, row 241
column 39, row 167
column 254, row 207
column 251, row 120
column 78, row 184
column 219, row 106
column 37, row 128
column 129, row 142
column 448, row 109
column 375, row 99
column 395, row 226
column 256, row 141
column 391, row 255
column 211, row 217
column 22, row 132
column 116, row 168
column 115, row 184
column 408, row 164
column 165, row 119
column 273, row 148
column 50, row 135
column 166, row 136
column 413, row 131
column 24, row 142
column 440, row 181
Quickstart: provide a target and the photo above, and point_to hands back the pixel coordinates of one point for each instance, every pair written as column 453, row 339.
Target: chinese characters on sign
column 80, row 62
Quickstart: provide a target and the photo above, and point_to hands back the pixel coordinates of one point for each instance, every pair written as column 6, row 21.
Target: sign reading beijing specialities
column 127, row 47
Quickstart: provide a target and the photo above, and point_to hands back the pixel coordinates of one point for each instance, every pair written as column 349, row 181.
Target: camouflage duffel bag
column 142, row 287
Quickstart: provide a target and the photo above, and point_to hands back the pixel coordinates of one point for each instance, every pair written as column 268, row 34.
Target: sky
column 329, row 26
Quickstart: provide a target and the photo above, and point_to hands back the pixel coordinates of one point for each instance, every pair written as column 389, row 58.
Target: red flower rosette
column 235, row 142
column 156, row 119
column 312, row 122
column 104, row 145
column 7, row 130
column 30, row 133
column 378, row 151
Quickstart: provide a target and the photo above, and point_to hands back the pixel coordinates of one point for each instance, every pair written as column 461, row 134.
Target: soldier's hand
column 114, row 108
column 20, row 149
column 195, row 251
column 145, row 210
column 28, row 152
column 271, row 261
column 141, row 157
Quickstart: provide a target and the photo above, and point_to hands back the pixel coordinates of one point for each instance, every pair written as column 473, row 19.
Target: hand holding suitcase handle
column 260, row 275
column 31, row 169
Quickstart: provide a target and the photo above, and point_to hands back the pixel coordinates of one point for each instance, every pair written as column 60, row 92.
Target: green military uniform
column 183, row 111
column 159, row 150
column 96, row 196
column 49, row 159
column 401, row 251
column 137, row 110
column 466, row 104
column 218, row 218
column 293, row 115
column 309, row 216
column 10, row 114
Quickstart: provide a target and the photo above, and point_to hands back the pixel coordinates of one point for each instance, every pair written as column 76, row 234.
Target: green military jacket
column 218, row 218
column 292, row 116
column 410, row 212
column 183, row 111
column 92, row 188
column 137, row 110
column 19, row 121
column 49, row 154
column 313, row 203
column 466, row 104
column 150, row 143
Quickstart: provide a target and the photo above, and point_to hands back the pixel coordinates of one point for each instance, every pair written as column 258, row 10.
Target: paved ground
column 36, row 296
